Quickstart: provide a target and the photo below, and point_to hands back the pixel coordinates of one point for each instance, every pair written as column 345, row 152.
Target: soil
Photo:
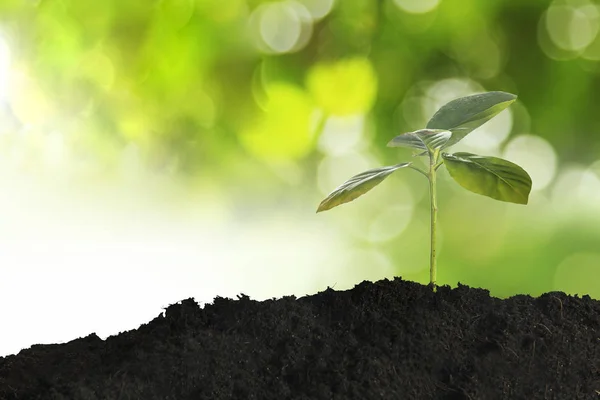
column 383, row 340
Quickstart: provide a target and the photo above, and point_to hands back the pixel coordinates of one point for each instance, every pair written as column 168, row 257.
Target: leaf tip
column 322, row 207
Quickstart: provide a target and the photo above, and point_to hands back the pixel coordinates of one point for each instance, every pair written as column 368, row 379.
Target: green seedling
column 488, row 176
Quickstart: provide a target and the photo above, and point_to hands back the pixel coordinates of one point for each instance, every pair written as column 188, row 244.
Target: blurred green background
column 253, row 111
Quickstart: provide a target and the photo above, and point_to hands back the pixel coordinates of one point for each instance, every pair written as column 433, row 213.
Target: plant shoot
column 489, row 176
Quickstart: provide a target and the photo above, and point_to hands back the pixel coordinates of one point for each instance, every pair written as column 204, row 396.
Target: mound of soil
column 383, row 340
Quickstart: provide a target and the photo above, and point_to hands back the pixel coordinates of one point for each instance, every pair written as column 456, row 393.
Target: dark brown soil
column 384, row 340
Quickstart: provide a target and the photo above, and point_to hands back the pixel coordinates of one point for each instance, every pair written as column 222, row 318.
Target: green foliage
column 423, row 139
column 461, row 116
column 357, row 186
column 489, row 176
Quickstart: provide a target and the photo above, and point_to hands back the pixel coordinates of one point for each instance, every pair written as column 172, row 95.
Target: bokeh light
column 417, row 6
column 577, row 190
column 393, row 219
column 568, row 28
column 536, row 156
column 284, row 132
column 344, row 87
column 488, row 138
column 572, row 28
column 342, row 135
column 281, row 27
column 318, row 8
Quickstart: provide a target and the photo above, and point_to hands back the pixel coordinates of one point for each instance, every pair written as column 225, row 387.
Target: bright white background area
column 83, row 253
column 109, row 259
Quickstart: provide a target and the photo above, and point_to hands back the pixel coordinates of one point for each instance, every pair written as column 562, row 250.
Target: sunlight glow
column 589, row 188
column 28, row 101
column 55, row 150
column 342, row 135
column 4, row 68
column 143, row 245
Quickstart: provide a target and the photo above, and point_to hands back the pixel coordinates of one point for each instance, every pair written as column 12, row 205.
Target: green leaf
column 423, row 139
column 489, row 176
column 357, row 186
column 463, row 115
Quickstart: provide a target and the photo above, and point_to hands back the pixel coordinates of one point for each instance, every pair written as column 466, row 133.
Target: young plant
column 488, row 176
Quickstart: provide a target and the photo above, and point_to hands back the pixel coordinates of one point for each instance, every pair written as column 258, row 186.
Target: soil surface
column 383, row 340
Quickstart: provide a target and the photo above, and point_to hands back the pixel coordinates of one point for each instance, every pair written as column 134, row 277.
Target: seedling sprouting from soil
column 488, row 176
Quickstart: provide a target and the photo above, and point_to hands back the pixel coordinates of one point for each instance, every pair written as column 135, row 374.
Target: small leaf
column 423, row 139
column 489, row 176
column 463, row 115
column 357, row 186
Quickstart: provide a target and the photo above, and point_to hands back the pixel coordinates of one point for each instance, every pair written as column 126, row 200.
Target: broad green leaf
column 423, row 139
column 489, row 176
column 357, row 186
column 463, row 115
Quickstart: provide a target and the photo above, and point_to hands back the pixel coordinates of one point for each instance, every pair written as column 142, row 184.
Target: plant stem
column 419, row 170
column 433, row 200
